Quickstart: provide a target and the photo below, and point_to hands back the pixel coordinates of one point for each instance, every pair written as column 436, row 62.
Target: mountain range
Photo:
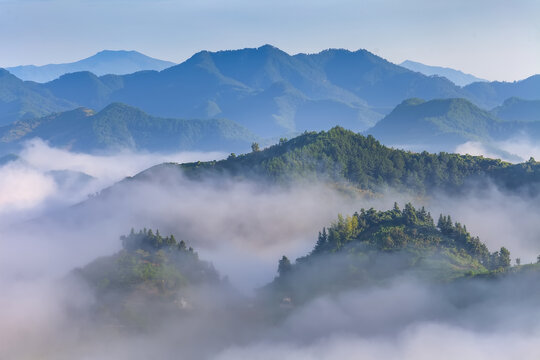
column 104, row 62
column 119, row 126
column 266, row 90
column 456, row 76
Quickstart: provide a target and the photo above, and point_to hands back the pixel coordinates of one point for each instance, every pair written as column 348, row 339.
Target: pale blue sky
column 493, row 39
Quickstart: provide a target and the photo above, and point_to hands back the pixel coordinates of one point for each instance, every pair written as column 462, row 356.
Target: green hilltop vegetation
column 370, row 247
column 151, row 271
column 153, row 276
column 342, row 156
column 119, row 126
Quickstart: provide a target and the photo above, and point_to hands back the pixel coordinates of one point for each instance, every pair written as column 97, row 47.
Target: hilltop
column 344, row 157
column 371, row 247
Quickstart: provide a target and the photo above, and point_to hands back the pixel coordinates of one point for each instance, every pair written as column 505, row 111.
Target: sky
column 492, row 39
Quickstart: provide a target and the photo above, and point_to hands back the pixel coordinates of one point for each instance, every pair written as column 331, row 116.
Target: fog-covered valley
column 242, row 226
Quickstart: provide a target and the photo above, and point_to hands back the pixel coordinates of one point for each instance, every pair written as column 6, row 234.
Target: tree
column 504, row 257
column 284, row 266
column 182, row 245
column 322, row 241
column 409, row 213
column 518, row 261
column 255, row 147
column 538, row 259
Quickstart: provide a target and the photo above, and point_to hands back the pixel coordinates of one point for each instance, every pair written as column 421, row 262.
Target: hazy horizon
column 480, row 38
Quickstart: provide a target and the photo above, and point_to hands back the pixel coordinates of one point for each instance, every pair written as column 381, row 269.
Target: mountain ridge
column 458, row 77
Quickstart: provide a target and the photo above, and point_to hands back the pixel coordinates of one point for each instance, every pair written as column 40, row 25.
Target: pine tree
column 322, row 242
column 284, row 266
column 182, row 245
column 504, row 257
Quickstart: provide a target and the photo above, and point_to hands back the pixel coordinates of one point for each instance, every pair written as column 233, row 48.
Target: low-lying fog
column 243, row 228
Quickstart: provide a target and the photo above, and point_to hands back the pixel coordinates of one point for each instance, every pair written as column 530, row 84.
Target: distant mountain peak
column 456, row 76
column 119, row 62
column 268, row 47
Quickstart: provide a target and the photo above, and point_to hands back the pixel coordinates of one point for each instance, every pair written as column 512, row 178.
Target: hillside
column 443, row 125
column 118, row 62
column 149, row 275
column 121, row 126
column 344, row 157
column 21, row 100
column 371, row 247
column 516, row 109
column 457, row 77
column 436, row 125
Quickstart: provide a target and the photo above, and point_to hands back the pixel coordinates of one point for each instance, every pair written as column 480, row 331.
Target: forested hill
column 340, row 155
column 150, row 274
column 372, row 246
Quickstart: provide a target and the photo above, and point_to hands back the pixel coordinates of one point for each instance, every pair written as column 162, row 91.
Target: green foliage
column 341, row 156
column 372, row 246
column 159, row 264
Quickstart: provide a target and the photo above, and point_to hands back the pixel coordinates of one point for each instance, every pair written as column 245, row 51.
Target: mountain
column 272, row 93
column 122, row 126
column 438, row 125
column 516, row 109
column 104, row 62
column 22, row 100
column 457, row 77
column 444, row 124
column 267, row 90
column 491, row 94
